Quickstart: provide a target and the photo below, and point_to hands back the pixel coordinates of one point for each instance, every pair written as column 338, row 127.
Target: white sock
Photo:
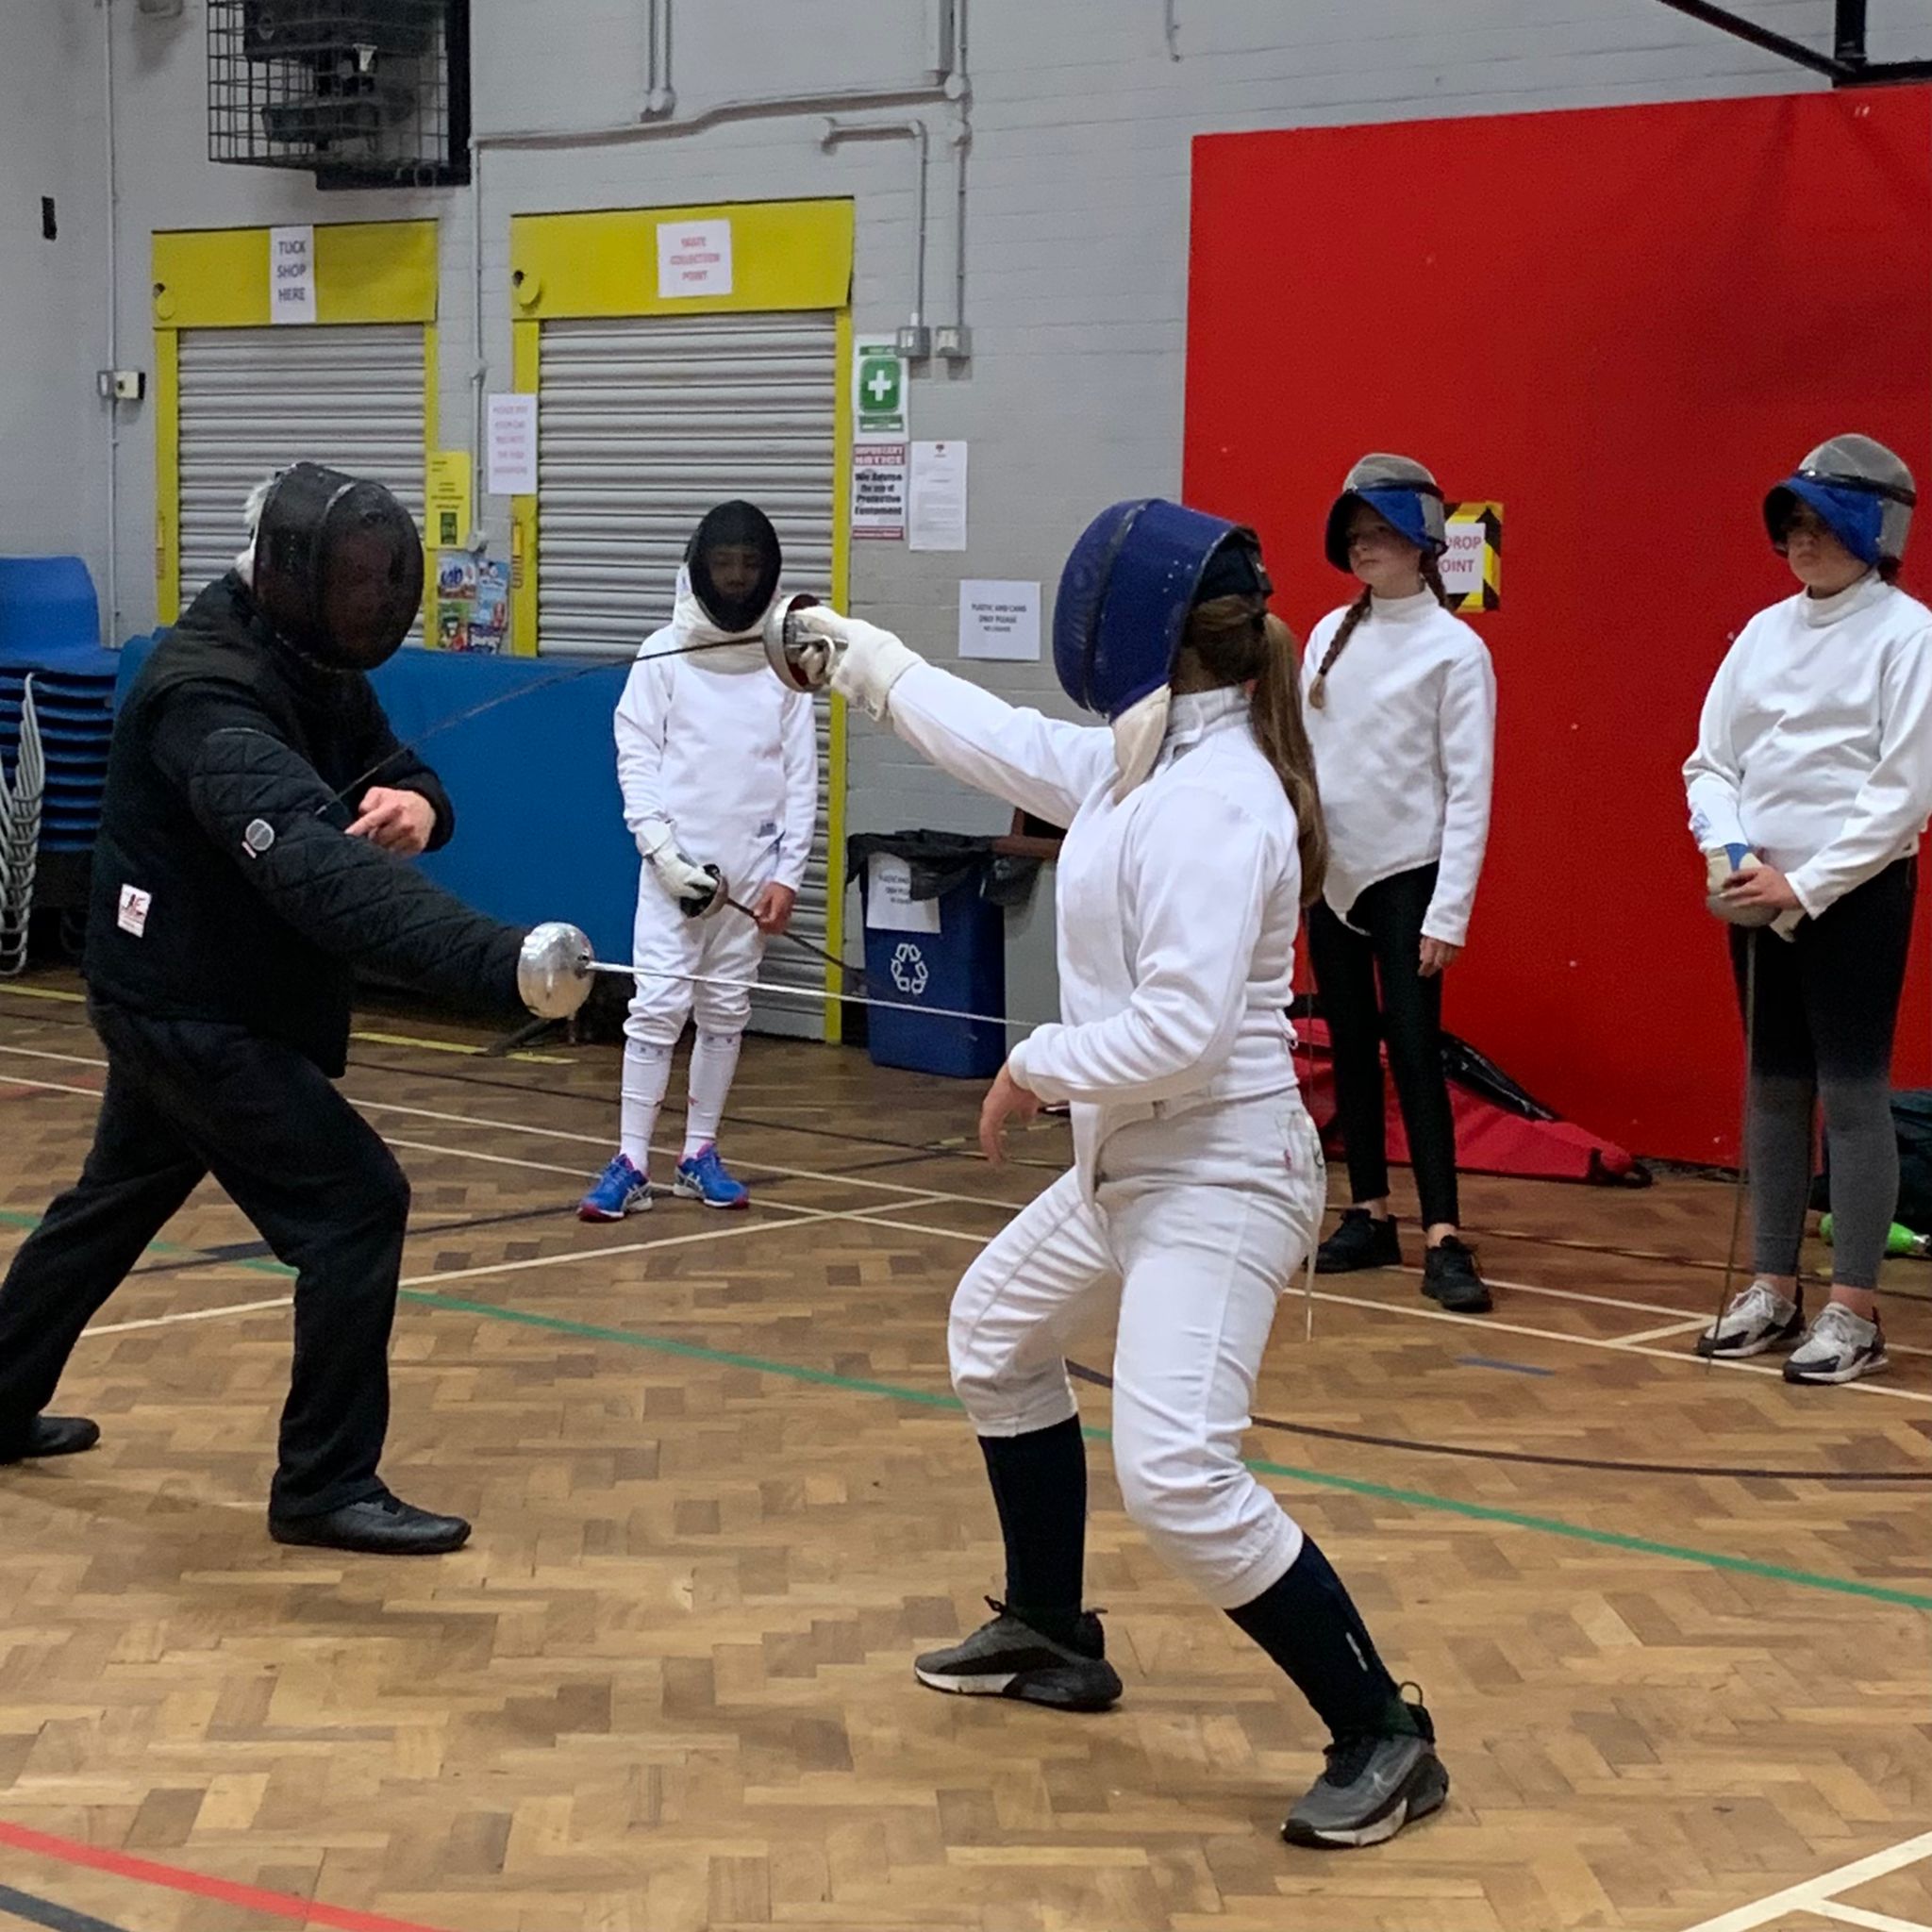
column 713, row 1061
column 646, row 1077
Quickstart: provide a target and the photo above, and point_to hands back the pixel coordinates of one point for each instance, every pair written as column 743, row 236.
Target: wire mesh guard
column 361, row 92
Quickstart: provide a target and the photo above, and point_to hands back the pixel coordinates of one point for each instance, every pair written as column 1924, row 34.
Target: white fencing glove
column 1723, row 863
column 699, row 889
column 866, row 660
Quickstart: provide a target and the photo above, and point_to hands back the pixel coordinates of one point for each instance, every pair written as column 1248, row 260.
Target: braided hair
column 1357, row 611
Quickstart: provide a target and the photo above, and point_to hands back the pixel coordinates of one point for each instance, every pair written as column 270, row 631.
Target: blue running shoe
column 621, row 1190
column 703, row 1179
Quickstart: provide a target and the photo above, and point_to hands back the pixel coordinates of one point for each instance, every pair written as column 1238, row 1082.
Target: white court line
column 1876, row 1922
column 1813, row 1892
column 1486, row 1324
column 1668, row 1328
column 280, row 1301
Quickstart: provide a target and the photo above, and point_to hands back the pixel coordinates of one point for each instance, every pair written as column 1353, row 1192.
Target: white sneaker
column 1840, row 1347
column 1757, row 1320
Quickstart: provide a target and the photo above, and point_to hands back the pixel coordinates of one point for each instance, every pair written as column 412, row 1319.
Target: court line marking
column 1623, row 1345
column 1811, row 1895
column 1857, row 1915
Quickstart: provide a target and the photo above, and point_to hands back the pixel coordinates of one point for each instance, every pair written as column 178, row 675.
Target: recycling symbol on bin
column 910, row 973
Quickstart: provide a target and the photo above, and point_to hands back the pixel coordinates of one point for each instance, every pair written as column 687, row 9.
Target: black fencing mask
column 735, row 562
column 337, row 567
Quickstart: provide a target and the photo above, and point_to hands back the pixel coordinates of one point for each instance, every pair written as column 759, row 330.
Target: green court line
column 1425, row 1500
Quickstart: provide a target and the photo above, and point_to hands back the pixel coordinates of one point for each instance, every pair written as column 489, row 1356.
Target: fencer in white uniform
column 1194, row 837
column 718, row 764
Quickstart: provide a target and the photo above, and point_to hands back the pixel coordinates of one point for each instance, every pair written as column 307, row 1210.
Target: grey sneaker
column 1371, row 1788
column 1840, row 1347
column 1007, row 1658
column 1757, row 1320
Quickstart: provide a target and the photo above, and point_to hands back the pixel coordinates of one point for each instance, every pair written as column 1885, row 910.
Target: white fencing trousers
column 667, row 949
column 1198, row 1223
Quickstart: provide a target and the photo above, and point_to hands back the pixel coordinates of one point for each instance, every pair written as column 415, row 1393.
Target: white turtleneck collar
column 1403, row 609
column 1821, row 612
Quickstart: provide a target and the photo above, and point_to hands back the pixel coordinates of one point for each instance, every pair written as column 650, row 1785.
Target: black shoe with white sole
column 1374, row 1785
column 1008, row 1658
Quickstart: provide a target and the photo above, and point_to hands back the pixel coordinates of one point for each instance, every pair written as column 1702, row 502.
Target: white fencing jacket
column 1176, row 905
column 717, row 750
column 1405, row 754
column 1815, row 746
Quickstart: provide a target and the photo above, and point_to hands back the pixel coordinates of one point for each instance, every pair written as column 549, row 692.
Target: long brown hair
column 1239, row 640
column 1432, row 579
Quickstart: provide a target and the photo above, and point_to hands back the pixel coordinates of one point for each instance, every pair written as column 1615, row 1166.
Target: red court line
column 249, row 1898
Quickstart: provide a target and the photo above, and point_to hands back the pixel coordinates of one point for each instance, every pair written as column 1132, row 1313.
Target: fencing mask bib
column 1121, row 612
column 733, row 563
column 1402, row 493
column 337, row 567
column 1862, row 492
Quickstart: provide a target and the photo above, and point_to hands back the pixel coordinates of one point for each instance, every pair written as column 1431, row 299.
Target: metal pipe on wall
column 837, row 131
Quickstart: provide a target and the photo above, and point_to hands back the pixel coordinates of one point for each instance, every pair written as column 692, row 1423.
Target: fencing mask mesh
column 337, row 567
column 735, row 562
column 1402, row 494
column 1863, row 493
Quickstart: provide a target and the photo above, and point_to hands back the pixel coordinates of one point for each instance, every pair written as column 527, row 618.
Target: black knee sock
column 1040, row 1488
column 1308, row 1624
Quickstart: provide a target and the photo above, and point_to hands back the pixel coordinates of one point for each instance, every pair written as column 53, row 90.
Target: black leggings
column 1826, row 1008
column 1409, row 1015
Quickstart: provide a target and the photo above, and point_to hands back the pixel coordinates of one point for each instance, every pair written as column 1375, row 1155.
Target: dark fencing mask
column 337, row 567
column 734, row 562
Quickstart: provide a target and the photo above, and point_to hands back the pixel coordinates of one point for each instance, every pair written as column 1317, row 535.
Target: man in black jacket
column 256, row 815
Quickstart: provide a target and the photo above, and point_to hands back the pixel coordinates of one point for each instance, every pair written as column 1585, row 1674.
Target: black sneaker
column 1374, row 1785
column 1360, row 1241
column 47, row 1436
column 1007, row 1658
column 1449, row 1276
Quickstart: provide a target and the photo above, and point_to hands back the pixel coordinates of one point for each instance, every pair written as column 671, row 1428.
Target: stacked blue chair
column 50, row 632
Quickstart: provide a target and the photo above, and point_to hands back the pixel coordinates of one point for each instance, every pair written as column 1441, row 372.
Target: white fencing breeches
column 1198, row 1223
column 671, row 953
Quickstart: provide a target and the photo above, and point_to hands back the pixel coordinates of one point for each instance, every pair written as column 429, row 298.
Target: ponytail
column 1239, row 640
column 1432, row 581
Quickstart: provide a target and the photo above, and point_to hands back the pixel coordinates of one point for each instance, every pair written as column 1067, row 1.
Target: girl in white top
column 1402, row 715
column 719, row 766
column 1808, row 791
column 1198, row 1182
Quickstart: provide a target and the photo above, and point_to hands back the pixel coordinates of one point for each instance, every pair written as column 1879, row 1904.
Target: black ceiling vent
column 360, row 93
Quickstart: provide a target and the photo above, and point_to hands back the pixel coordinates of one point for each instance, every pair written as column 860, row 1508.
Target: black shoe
column 1007, row 1658
column 1360, row 1241
column 383, row 1527
column 1374, row 1784
column 1449, row 1276
column 51, row 1435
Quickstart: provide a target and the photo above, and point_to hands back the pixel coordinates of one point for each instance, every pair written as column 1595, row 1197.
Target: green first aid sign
column 878, row 391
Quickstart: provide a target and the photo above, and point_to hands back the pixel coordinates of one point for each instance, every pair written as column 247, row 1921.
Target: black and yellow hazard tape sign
column 1472, row 570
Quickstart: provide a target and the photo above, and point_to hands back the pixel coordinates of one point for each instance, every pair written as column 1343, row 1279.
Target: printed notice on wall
column 1473, row 566
column 999, row 622
column 512, row 445
column 446, row 499
column 879, row 491
column 936, row 518
column 292, row 275
column 890, row 906
column 693, row 259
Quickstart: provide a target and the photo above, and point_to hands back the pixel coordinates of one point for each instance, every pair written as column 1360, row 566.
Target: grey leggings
column 1825, row 1011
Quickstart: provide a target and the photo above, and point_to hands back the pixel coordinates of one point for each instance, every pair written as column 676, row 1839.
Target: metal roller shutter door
column 255, row 400
column 646, row 422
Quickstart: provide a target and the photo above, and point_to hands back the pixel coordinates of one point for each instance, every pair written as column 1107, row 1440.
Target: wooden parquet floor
column 1673, row 1622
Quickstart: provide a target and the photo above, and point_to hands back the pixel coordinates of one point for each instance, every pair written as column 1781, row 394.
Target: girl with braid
column 1401, row 707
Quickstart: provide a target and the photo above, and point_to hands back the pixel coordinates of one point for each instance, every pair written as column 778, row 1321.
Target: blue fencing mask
column 1862, row 492
column 1402, row 493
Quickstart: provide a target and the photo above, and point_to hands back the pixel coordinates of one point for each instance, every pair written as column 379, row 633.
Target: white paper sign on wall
column 512, row 445
column 693, row 259
column 890, row 906
column 292, row 275
column 999, row 622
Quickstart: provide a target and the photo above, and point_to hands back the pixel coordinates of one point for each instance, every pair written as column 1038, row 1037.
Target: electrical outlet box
column 123, row 385
column 953, row 344
column 914, row 341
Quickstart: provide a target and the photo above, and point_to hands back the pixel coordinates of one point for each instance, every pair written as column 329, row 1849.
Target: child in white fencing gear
column 1402, row 715
column 1194, row 832
column 718, row 762
column 1808, row 791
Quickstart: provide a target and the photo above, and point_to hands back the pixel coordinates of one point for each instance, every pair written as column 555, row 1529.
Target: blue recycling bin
column 961, row 966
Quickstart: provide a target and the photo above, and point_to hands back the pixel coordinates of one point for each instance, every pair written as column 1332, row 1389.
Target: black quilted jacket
column 224, row 888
